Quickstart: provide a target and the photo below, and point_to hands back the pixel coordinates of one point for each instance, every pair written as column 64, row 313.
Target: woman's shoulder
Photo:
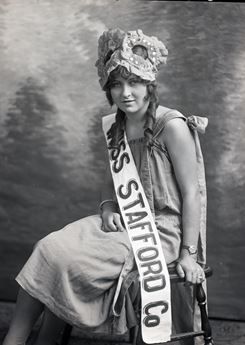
column 165, row 111
column 164, row 115
column 172, row 128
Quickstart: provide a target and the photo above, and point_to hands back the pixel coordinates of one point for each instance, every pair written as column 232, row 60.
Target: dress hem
column 61, row 313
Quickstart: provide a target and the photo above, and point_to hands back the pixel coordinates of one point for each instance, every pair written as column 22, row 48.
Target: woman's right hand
column 111, row 221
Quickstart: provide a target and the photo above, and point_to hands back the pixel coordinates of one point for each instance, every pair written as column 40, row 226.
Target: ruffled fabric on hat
column 116, row 49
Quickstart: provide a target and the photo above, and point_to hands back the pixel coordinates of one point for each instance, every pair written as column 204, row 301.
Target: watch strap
column 192, row 250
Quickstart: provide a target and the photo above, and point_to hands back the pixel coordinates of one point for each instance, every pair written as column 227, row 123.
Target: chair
column 135, row 334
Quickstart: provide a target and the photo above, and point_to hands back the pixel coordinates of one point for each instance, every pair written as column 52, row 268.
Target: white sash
column 156, row 318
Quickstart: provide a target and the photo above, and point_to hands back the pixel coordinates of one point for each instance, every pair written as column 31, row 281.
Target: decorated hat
column 118, row 48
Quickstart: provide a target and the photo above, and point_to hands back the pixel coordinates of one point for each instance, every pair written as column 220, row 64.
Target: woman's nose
column 126, row 91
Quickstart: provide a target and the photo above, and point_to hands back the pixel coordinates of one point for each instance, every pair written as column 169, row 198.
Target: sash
column 156, row 321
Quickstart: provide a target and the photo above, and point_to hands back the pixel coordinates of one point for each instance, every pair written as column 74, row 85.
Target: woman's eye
column 133, row 81
column 115, row 84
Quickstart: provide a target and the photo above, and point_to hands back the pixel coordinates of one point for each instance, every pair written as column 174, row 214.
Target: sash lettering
column 145, row 241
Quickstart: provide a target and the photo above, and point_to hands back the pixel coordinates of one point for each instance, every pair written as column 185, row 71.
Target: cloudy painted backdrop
column 51, row 146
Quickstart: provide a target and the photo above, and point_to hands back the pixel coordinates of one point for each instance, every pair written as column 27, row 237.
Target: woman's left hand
column 188, row 267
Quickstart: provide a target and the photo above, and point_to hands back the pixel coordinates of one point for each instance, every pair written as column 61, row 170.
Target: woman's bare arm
column 181, row 147
column 109, row 210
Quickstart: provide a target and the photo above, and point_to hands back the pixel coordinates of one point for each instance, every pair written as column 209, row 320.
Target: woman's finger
column 200, row 276
column 189, row 277
column 180, row 270
column 108, row 226
column 112, row 226
column 118, row 223
column 194, row 277
column 105, row 228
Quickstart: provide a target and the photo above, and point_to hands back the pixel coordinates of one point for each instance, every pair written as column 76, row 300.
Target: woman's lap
column 74, row 271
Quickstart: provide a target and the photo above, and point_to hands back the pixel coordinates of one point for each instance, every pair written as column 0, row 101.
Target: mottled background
column 51, row 146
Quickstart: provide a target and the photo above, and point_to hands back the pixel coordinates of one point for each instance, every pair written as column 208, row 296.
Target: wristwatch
column 192, row 250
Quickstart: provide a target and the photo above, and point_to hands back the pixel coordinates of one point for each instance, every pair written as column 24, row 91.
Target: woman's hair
column 117, row 129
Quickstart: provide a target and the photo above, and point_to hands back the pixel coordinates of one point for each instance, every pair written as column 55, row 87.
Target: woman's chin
column 129, row 108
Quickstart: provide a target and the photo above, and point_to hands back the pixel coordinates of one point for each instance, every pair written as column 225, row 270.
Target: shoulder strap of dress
column 163, row 117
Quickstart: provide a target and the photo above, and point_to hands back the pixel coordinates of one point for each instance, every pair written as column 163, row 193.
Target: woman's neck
column 135, row 123
column 135, row 127
column 135, row 118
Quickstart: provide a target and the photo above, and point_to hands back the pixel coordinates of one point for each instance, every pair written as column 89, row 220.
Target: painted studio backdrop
column 51, row 144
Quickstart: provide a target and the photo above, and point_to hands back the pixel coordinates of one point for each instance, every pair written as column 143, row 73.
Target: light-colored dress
column 77, row 272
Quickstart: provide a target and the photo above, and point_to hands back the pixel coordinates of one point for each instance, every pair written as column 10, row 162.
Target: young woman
column 74, row 275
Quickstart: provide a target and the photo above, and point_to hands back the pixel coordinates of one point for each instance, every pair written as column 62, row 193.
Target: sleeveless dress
column 78, row 271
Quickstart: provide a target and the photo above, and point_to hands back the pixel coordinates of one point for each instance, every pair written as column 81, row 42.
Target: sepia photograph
column 122, row 178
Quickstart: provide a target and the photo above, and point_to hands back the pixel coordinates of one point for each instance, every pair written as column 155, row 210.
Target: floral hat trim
column 116, row 48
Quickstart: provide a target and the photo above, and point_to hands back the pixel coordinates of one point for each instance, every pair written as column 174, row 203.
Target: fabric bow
column 197, row 123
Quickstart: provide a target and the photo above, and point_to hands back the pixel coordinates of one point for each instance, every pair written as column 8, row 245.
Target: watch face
column 192, row 249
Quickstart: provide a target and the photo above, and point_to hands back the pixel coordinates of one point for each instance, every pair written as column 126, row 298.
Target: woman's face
column 130, row 95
